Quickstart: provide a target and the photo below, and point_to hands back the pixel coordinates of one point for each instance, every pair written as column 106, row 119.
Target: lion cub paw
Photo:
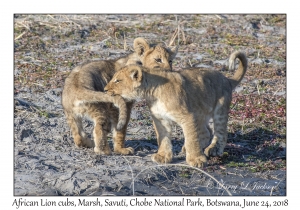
column 210, row 151
column 125, row 151
column 158, row 158
column 198, row 162
column 83, row 142
column 98, row 151
column 213, row 151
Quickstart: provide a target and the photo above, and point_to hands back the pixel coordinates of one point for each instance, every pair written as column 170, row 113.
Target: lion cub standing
column 189, row 98
column 83, row 96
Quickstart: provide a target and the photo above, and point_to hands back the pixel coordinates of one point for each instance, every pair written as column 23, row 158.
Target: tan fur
column 217, row 146
column 83, row 96
column 189, row 98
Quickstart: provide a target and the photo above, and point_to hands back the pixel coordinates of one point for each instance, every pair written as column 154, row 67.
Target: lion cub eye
column 158, row 60
column 117, row 81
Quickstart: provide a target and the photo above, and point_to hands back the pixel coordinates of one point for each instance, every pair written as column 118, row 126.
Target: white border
column 153, row 6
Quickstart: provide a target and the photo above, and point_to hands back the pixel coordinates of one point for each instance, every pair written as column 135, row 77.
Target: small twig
column 183, row 36
column 190, row 63
column 93, row 193
column 181, row 190
column 48, row 24
column 107, row 194
column 52, row 17
column 220, row 17
column 271, row 191
column 276, row 91
column 257, row 86
column 231, row 173
column 25, row 26
column 131, row 173
column 37, row 84
column 125, row 44
column 274, row 187
column 18, row 37
column 178, row 29
column 173, row 37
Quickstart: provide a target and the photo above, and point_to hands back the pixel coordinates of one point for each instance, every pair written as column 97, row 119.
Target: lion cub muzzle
column 108, row 91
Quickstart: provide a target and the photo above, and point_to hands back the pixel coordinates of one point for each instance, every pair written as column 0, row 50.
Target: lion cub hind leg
column 163, row 129
column 101, row 128
column 119, row 134
column 218, row 143
column 194, row 133
column 119, row 146
column 100, row 137
column 79, row 136
column 206, row 136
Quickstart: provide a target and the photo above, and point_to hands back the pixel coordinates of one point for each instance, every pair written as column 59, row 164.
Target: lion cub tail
column 90, row 96
column 239, row 74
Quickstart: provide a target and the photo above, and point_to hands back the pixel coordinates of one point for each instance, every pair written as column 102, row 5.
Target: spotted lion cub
column 83, row 96
column 189, row 98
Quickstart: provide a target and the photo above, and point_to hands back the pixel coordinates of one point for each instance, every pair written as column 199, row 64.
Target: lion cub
column 83, row 96
column 189, row 98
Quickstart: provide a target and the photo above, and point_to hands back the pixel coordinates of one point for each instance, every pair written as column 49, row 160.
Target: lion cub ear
column 136, row 74
column 173, row 51
column 140, row 46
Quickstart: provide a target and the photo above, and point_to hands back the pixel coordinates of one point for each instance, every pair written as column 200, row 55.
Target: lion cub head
column 125, row 82
column 154, row 56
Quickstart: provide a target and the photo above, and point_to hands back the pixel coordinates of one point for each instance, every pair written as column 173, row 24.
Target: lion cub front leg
column 163, row 129
column 119, row 135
